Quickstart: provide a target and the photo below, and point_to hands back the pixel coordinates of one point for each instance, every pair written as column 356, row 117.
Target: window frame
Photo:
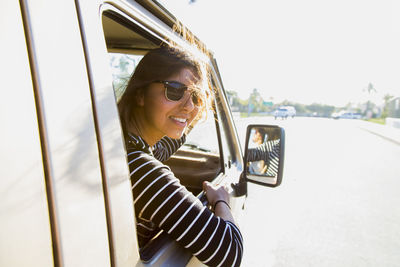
column 161, row 242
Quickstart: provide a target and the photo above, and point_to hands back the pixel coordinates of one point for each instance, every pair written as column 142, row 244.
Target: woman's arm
column 159, row 198
column 264, row 151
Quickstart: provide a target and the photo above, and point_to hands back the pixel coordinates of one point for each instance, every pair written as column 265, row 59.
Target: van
column 65, row 189
column 346, row 115
column 285, row 112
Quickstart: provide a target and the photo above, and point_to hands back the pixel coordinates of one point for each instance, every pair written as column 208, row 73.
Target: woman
column 259, row 166
column 163, row 100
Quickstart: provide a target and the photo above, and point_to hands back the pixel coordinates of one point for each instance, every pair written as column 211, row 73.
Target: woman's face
column 165, row 117
column 257, row 138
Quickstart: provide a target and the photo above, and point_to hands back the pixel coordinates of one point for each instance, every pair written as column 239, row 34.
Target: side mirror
column 264, row 154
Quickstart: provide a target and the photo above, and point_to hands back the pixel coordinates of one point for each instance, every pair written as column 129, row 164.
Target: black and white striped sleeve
column 161, row 199
column 264, row 152
column 269, row 152
column 167, row 146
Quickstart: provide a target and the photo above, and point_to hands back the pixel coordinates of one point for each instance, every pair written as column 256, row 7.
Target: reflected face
column 166, row 117
column 257, row 138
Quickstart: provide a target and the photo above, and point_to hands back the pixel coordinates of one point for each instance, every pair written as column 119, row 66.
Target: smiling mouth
column 181, row 120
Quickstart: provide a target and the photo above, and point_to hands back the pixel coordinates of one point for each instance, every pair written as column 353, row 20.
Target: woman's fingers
column 215, row 192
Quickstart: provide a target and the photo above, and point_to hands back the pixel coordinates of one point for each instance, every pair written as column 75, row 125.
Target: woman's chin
column 176, row 134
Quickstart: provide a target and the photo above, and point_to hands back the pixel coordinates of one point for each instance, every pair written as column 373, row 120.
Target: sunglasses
column 174, row 91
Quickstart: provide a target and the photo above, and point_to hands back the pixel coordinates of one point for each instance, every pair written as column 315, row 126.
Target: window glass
column 122, row 67
column 204, row 135
column 221, row 118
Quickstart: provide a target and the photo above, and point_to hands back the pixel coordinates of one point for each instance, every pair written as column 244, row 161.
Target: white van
column 65, row 192
column 284, row 112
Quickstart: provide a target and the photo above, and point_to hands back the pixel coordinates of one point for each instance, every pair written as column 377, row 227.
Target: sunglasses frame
column 183, row 87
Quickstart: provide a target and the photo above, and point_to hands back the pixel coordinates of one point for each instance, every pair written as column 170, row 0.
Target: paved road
column 339, row 204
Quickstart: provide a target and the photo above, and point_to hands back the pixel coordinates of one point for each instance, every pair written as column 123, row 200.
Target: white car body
column 284, row 112
column 346, row 115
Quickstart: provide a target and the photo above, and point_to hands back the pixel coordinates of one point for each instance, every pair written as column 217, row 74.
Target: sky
column 309, row 51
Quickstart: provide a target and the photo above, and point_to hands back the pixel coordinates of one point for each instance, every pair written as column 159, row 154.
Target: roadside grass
column 246, row 115
column 376, row 120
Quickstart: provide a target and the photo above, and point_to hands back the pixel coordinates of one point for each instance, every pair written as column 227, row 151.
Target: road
column 338, row 205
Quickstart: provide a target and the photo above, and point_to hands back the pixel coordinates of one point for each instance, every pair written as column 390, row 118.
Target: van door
column 69, row 141
column 116, row 37
column 115, row 172
column 24, row 213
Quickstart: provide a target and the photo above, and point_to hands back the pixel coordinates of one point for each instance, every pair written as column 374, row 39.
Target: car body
column 285, row 112
column 346, row 115
column 66, row 194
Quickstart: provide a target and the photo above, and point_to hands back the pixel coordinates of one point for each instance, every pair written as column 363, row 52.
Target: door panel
column 193, row 167
column 232, row 155
column 116, row 180
column 24, row 225
column 69, row 133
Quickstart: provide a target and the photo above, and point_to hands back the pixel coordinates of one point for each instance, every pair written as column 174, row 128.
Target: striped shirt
column 161, row 202
column 268, row 152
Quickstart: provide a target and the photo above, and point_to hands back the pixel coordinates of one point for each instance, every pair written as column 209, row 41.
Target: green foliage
column 377, row 120
column 321, row 110
column 122, row 67
column 386, row 108
column 256, row 105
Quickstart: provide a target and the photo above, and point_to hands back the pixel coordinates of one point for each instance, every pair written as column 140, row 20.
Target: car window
column 199, row 158
column 203, row 136
column 122, row 67
column 228, row 150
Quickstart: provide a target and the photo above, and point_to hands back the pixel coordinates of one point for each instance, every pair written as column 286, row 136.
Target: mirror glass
column 264, row 154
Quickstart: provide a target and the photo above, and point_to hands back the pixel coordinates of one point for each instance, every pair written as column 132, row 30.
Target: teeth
column 179, row 119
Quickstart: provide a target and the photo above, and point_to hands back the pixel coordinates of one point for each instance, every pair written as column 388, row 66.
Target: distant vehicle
column 284, row 112
column 346, row 115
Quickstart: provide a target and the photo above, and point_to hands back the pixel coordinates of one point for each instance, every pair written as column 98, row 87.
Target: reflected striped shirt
column 161, row 202
column 269, row 152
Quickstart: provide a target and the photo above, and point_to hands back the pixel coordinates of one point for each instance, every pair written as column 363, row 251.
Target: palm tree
column 369, row 89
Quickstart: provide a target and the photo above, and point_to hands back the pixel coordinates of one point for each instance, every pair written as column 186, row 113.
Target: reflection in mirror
column 264, row 154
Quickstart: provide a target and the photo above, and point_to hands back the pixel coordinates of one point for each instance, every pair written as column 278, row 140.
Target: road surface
column 338, row 205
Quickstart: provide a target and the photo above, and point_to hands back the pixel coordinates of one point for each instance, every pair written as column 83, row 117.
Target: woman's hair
column 159, row 64
column 262, row 133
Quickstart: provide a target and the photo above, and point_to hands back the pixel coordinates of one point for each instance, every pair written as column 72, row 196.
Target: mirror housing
column 264, row 154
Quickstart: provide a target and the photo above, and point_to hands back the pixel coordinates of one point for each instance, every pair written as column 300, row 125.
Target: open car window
column 199, row 159
column 203, row 137
column 122, row 67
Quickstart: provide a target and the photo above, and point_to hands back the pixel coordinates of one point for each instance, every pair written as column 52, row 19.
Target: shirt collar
column 137, row 142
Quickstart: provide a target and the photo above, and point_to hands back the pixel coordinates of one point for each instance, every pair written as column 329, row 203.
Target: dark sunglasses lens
column 175, row 91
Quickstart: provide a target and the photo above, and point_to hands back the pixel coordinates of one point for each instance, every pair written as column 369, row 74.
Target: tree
column 370, row 89
column 233, row 98
column 255, row 101
column 321, row 110
column 122, row 67
column 386, row 98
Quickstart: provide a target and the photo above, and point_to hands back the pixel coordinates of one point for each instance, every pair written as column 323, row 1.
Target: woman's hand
column 215, row 193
